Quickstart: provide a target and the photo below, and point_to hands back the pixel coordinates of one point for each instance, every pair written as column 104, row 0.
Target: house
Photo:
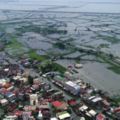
column 58, row 95
column 78, row 66
column 7, row 85
column 72, row 102
column 46, row 114
column 34, row 99
column 4, row 102
column 117, row 112
column 20, row 78
column 17, row 113
column 82, row 118
column 67, row 74
column 72, row 87
column 100, row 116
column 37, row 81
column 106, row 104
column 54, row 118
column 95, row 101
column 26, row 115
column 20, row 96
column 44, row 105
column 63, row 115
column 3, row 82
column 44, row 109
column 83, row 108
column 60, row 105
column 12, row 117
column 91, row 114
column 10, row 96
column 29, row 108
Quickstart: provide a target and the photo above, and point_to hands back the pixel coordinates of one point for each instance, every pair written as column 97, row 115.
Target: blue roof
column 9, row 94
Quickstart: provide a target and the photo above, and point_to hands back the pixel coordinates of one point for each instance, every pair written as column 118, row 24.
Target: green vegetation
column 60, row 45
column 115, row 69
column 30, row 80
column 58, row 67
column 46, row 65
column 111, row 39
column 33, row 55
column 77, row 61
column 115, row 100
column 110, row 60
column 51, row 66
column 103, row 46
column 14, row 44
column 15, row 48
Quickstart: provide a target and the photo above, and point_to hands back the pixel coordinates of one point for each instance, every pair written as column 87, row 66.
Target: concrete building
column 34, row 99
column 72, row 88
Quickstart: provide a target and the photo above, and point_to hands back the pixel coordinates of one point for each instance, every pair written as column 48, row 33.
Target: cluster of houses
column 22, row 100
column 24, row 96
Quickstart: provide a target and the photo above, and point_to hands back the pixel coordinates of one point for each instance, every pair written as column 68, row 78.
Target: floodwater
column 35, row 41
column 84, row 23
column 97, row 74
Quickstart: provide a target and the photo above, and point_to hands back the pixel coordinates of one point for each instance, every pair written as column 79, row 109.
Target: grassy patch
column 35, row 56
column 51, row 66
column 115, row 69
column 14, row 44
column 117, row 100
column 14, row 47
column 113, row 66
column 59, row 67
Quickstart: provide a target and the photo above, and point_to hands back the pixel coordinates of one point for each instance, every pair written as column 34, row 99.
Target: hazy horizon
column 104, row 6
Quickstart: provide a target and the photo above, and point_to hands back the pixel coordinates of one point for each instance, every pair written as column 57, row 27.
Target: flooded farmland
column 68, row 28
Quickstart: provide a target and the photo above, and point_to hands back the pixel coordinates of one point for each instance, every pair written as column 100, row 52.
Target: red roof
column 100, row 117
column 117, row 110
column 18, row 113
column 56, row 103
column 72, row 102
column 7, row 85
column 48, row 100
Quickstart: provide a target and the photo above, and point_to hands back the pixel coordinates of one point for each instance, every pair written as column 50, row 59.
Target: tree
column 30, row 80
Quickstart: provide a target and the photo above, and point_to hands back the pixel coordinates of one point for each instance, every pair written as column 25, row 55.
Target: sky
column 68, row 0
column 60, row 1
column 107, row 6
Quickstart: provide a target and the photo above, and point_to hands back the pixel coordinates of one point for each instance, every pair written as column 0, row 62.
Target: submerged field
column 90, row 38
